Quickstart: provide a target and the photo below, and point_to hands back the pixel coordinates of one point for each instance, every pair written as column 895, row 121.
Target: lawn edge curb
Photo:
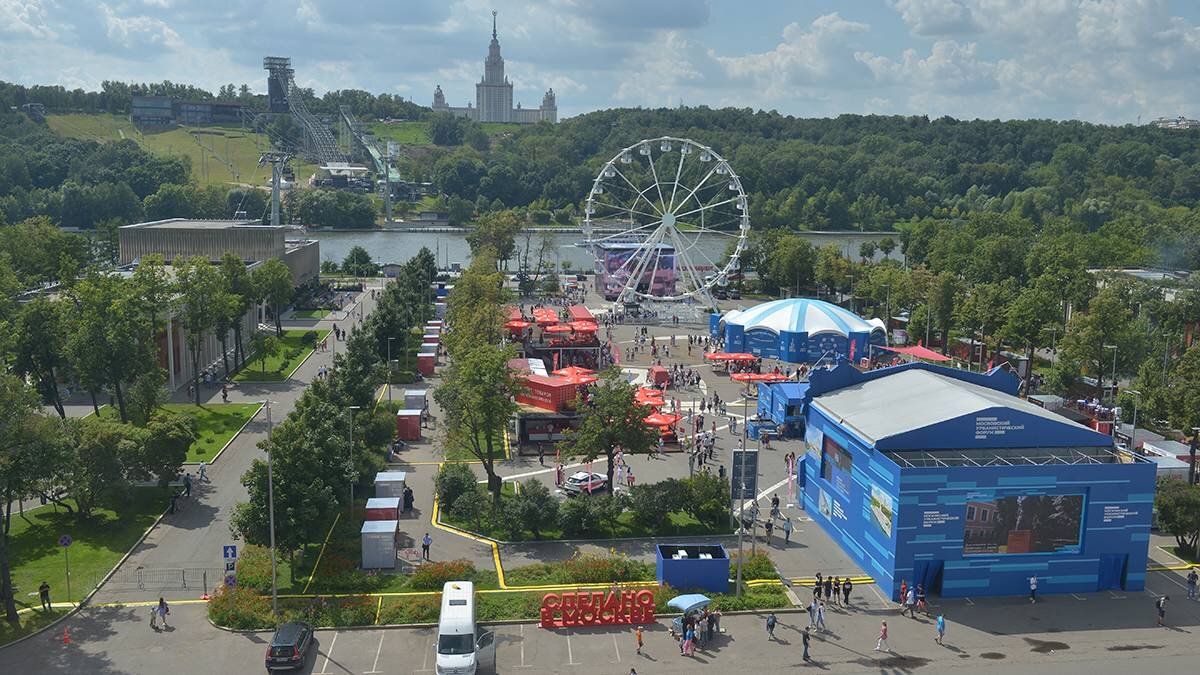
column 233, row 437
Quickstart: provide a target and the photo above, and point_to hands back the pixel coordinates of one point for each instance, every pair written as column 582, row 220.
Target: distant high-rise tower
column 494, row 95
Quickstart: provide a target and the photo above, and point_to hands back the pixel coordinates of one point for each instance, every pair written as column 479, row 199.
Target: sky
column 1109, row 61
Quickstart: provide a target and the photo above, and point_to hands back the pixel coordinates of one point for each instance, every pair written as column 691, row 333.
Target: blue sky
column 1098, row 60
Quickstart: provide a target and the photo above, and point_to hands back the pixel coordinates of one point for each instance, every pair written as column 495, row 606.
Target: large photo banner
column 1038, row 523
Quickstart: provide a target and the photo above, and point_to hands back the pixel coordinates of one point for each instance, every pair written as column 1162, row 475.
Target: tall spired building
column 494, row 95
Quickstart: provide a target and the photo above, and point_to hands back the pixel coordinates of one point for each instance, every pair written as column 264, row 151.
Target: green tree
column 496, row 231
column 609, row 422
column 165, row 443
column 201, row 301
column 1183, row 391
column 358, row 262
column 242, row 293
column 477, row 397
column 1028, row 319
column 40, row 348
column 791, row 263
column 147, row 393
column 473, row 505
column 18, row 407
column 273, row 282
column 653, row 503
column 263, row 345
column 1109, row 320
column 1178, row 506
column 452, row 482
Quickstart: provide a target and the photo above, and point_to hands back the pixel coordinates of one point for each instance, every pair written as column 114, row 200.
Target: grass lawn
column 99, row 542
column 310, row 314
column 404, row 133
column 280, row 365
column 219, row 155
column 678, row 524
column 216, row 423
column 458, row 453
column 29, row 622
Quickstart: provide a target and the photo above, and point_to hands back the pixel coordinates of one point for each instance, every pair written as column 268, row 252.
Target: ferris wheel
column 666, row 220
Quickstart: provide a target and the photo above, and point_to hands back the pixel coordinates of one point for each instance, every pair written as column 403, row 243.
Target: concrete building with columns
column 177, row 238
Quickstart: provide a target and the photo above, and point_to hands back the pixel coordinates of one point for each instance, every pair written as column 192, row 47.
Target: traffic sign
column 230, row 566
column 230, row 580
column 64, row 541
column 229, row 552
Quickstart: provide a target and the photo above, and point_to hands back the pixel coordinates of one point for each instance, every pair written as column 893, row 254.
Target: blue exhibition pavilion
column 797, row 330
column 946, row 478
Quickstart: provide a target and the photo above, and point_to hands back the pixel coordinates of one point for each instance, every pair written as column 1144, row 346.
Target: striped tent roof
column 802, row 315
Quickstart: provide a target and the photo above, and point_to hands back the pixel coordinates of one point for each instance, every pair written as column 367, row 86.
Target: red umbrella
column 545, row 315
column 661, row 419
column 717, row 356
column 650, row 397
column 557, row 328
column 572, row 371
column 740, row 356
column 584, row 326
column 580, row 378
column 517, row 324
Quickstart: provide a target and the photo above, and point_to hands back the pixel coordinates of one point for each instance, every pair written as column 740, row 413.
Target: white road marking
column 969, row 602
column 570, row 654
column 616, row 648
column 765, row 492
column 1078, row 597
column 1168, row 576
column 1115, row 596
column 375, row 666
column 522, row 634
column 328, row 655
column 425, row 662
column 538, row 472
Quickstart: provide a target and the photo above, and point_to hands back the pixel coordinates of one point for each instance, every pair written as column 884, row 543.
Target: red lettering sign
column 597, row 608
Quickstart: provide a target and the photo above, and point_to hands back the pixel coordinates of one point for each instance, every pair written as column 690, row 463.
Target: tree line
column 313, row 463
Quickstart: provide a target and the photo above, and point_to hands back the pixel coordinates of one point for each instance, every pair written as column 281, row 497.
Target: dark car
column 289, row 646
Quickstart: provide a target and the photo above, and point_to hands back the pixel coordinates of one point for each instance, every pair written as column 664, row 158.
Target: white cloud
column 25, row 17
column 820, row 52
column 139, row 32
column 936, row 17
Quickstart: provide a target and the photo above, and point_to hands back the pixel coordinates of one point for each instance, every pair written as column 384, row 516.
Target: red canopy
column 717, row 356
column 545, row 315
column 517, row 324
column 661, row 419
column 514, row 314
column 580, row 313
column 584, row 326
column 557, row 328
column 759, row 377
column 918, row 352
column 572, row 371
column 580, row 379
column 649, row 396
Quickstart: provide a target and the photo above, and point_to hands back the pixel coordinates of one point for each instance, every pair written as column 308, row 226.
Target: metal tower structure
column 277, row 160
column 320, row 145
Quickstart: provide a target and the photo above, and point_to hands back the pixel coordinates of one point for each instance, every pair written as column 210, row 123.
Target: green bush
column 581, row 569
column 653, row 503
column 474, row 507
column 254, row 568
column 707, row 499
column 355, row 610
column 417, row 609
column 503, row 606
column 453, row 480
column 240, row 608
column 755, row 566
column 433, row 576
column 578, row 519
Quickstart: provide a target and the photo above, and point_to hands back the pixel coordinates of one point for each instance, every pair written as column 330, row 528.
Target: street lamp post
column 1114, row 374
column 350, row 414
column 742, row 493
column 271, row 512
column 887, row 313
column 389, row 380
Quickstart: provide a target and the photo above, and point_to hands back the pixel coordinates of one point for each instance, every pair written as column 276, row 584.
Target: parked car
column 582, row 482
column 289, row 646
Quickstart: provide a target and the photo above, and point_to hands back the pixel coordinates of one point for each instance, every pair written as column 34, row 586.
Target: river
column 451, row 247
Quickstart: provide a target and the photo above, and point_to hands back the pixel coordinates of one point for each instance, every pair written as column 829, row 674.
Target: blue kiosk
column 797, row 330
column 945, row 478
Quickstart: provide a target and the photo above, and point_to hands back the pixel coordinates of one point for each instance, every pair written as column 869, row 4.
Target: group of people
column 697, row 630
column 832, row 589
column 912, row 598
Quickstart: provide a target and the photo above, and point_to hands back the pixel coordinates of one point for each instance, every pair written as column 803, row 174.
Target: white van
column 463, row 648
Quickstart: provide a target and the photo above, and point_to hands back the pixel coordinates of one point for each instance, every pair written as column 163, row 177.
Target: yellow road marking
column 320, row 553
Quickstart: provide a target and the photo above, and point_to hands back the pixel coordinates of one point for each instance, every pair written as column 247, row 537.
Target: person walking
column 769, row 526
column 202, row 476
column 812, row 613
column 882, row 643
column 787, row 524
column 163, row 611
column 804, row 639
column 940, row 626
column 771, row 620
column 1191, row 584
column 775, row 505
column 225, row 393
column 828, row 587
column 637, row 633
column 689, row 642
column 1033, row 589
column 426, row 542
column 921, row 600
column 836, row 598
column 44, row 595
column 911, row 602
column 1161, row 606
column 818, row 587
column 903, row 593
column 187, row 485
column 846, row 591
column 541, row 454
column 821, row 616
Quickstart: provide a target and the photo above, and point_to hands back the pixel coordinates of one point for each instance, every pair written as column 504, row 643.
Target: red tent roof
column 584, row 327
column 661, row 419
column 759, row 377
column 545, row 315
column 517, row 324
column 727, row 356
column 570, row 371
column 558, row 328
column 580, row 313
column 918, row 352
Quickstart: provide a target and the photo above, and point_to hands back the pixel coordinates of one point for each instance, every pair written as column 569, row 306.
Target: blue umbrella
column 689, row 603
